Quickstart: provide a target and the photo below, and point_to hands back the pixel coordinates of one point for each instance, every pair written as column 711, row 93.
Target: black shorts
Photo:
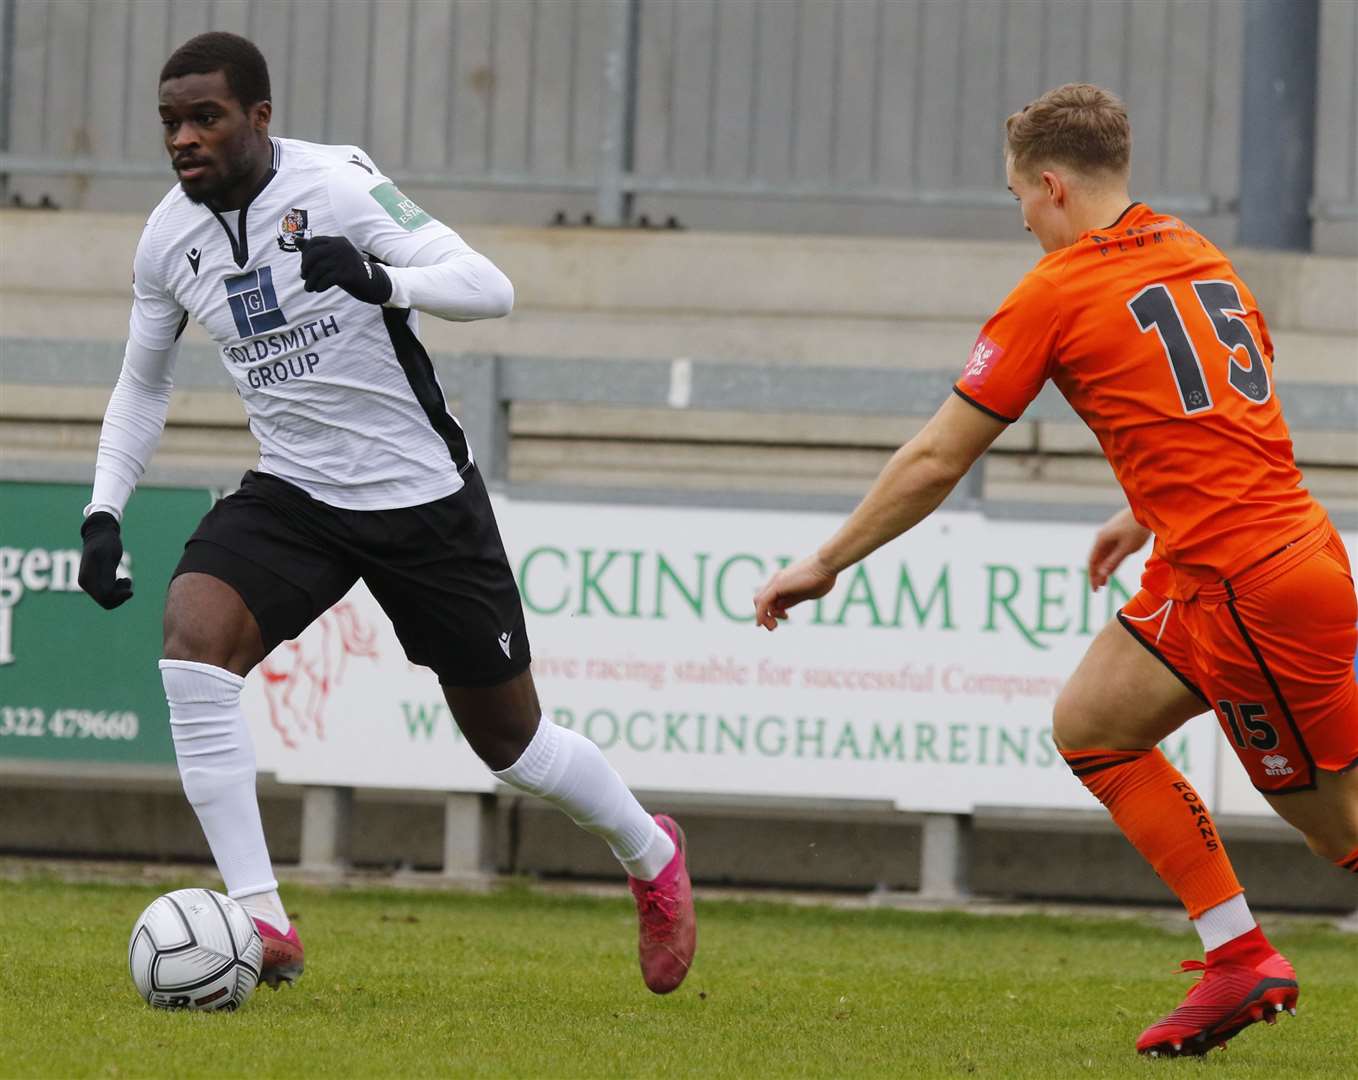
column 438, row 570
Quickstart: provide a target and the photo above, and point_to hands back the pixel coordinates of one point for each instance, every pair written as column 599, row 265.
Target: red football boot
column 1243, row 982
column 282, row 954
column 668, row 934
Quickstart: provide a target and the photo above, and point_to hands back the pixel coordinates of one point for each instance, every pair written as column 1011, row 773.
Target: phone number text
column 66, row 724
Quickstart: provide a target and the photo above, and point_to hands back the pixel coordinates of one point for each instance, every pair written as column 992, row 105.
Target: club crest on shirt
column 985, row 354
column 291, row 228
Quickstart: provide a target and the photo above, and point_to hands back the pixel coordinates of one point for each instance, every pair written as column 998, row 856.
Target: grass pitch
column 515, row 983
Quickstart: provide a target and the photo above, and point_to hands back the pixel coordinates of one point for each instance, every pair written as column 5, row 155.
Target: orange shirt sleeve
column 1014, row 354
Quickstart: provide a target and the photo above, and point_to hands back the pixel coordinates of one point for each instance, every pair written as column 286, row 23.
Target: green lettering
column 526, row 566
column 614, row 728
column 589, row 582
column 887, row 748
column 664, row 572
column 1045, row 601
column 994, row 600
column 941, row 590
column 925, row 734
column 957, row 744
column 1046, row 749
column 780, row 745
column 860, row 592
column 735, row 735
column 673, row 737
column 745, row 613
column 1019, row 748
column 421, row 718
column 847, row 743
column 815, row 737
column 632, row 740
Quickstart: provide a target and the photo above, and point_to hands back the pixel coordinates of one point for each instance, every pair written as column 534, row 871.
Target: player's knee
column 1071, row 729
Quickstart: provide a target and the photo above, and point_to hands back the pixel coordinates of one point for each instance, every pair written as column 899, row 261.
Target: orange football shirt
column 1161, row 349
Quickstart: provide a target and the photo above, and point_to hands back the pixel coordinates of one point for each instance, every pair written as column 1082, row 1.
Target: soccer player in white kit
column 306, row 266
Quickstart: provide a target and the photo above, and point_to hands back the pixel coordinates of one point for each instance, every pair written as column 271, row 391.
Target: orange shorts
column 1272, row 652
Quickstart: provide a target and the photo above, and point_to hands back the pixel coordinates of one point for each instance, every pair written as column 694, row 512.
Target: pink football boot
column 668, row 931
column 282, row 954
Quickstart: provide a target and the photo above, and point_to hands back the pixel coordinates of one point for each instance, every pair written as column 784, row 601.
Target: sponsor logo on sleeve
column 984, row 356
column 402, row 209
column 254, row 304
column 291, row 228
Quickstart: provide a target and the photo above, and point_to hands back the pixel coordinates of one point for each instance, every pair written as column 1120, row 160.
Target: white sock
column 1224, row 922
column 267, row 906
column 571, row 773
column 217, row 768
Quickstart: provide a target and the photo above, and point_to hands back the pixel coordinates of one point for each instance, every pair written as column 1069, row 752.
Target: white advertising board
column 925, row 680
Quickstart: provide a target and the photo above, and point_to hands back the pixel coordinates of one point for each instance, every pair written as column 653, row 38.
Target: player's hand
column 328, row 261
column 1120, row 536
column 99, row 557
column 807, row 579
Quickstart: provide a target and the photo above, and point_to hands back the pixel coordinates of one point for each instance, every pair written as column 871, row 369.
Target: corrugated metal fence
column 853, row 115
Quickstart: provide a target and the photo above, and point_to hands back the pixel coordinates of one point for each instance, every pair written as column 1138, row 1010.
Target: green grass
column 404, row 983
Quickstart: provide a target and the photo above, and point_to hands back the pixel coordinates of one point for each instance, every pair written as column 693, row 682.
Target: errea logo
column 1276, row 765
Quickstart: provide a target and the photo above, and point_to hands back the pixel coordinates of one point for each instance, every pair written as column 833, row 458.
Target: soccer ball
column 195, row 949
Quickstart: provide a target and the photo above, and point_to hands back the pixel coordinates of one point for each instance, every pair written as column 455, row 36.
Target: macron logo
column 504, row 643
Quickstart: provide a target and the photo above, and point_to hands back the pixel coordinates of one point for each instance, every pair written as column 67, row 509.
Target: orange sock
column 1159, row 812
column 1349, row 862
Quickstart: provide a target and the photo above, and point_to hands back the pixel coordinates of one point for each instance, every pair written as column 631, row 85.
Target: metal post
column 614, row 200
column 6, row 83
column 945, row 856
column 326, row 816
column 485, row 415
column 1277, row 139
column 469, row 837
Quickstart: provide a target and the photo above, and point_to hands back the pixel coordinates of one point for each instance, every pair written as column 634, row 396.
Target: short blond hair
column 1078, row 125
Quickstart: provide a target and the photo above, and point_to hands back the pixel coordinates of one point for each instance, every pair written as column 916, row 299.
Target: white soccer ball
column 195, row 949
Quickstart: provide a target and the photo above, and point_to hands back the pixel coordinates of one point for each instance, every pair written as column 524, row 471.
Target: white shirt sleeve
column 431, row 268
column 157, row 320
column 133, row 423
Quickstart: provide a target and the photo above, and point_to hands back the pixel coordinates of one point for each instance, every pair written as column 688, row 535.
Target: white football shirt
column 340, row 393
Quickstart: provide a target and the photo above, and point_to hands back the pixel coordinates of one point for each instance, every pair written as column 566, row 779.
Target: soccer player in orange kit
column 1247, row 603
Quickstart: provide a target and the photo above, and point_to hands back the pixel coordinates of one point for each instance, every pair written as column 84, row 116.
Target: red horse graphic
column 300, row 674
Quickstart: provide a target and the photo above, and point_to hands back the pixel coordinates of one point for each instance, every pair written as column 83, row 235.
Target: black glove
column 99, row 558
column 331, row 260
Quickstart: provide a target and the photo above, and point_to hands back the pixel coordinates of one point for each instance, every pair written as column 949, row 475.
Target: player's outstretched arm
column 911, row 486
column 133, row 423
column 1120, row 536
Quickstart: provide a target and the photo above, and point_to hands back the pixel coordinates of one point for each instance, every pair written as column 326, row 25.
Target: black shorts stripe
column 419, row 371
column 1149, row 646
column 1277, row 692
column 989, row 412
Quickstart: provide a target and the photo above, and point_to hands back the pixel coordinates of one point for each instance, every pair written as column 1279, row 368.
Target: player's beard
column 235, row 168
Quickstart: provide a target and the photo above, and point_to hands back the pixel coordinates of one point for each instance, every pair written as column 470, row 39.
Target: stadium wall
column 874, row 117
